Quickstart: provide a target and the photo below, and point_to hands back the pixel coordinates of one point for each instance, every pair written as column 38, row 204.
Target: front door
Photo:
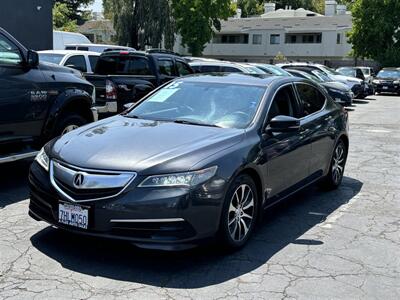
column 21, row 99
column 287, row 153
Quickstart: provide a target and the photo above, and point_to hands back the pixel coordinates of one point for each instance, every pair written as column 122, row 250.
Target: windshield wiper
column 193, row 122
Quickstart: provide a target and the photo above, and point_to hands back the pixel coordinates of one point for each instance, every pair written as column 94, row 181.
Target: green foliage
column 61, row 20
column 196, row 19
column 375, row 33
column 140, row 23
column 76, row 9
column 250, row 7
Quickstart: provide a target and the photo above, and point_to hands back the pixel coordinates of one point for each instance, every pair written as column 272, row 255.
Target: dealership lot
column 342, row 244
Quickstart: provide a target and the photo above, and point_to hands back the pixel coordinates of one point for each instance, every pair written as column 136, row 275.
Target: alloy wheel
column 241, row 212
column 338, row 163
column 69, row 128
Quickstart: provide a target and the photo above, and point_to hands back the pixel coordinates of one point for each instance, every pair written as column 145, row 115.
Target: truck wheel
column 69, row 122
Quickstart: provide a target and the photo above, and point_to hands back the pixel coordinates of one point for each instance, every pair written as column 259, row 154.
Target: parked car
column 224, row 67
column 362, row 73
column 100, row 48
column 358, row 86
column 339, row 92
column 123, row 77
column 38, row 101
column 271, row 69
column 388, row 81
column 83, row 61
column 201, row 157
column 62, row 38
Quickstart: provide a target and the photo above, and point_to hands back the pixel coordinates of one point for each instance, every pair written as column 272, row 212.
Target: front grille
column 78, row 184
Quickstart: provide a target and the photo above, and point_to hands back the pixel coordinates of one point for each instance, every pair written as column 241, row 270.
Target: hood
column 147, row 147
column 388, row 78
column 349, row 81
column 337, row 85
column 45, row 66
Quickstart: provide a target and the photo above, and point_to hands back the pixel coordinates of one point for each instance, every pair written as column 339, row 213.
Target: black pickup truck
column 38, row 101
column 123, row 77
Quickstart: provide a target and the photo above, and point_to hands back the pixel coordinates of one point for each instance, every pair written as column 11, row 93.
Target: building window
column 275, row 39
column 231, row 39
column 303, row 38
column 257, row 39
column 338, row 38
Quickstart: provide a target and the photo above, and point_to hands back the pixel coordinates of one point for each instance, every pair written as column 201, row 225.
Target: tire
column 237, row 217
column 69, row 122
column 336, row 168
column 361, row 97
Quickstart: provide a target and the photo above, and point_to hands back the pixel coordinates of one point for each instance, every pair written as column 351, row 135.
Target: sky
column 97, row 6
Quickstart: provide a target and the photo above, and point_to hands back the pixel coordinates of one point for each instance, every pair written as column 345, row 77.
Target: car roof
column 261, row 80
column 65, row 52
column 215, row 63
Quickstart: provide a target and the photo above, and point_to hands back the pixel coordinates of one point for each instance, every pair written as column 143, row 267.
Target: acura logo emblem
column 78, row 180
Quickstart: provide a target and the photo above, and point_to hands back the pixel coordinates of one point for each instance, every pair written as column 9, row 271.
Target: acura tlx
column 199, row 158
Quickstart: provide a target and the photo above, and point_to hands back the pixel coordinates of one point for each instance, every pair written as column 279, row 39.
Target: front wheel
column 239, row 213
column 336, row 169
column 69, row 122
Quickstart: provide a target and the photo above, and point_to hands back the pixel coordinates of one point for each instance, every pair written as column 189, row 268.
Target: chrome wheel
column 338, row 163
column 241, row 212
column 69, row 128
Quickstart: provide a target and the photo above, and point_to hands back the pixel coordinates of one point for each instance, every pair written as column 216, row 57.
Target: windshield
column 51, row 58
column 253, row 70
column 208, row 104
column 389, row 74
column 329, row 70
column 275, row 70
column 311, row 77
column 321, row 75
column 347, row 72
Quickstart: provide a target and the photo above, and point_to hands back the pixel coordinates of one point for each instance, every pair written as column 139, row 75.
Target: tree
column 61, row 20
column 140, row 23
column 197, row 19
column 250, row 7
column 376, row 31
column 76, row 9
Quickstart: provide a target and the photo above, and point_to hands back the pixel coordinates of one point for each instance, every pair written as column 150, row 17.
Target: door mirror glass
column 283, row 124
column 33, row 59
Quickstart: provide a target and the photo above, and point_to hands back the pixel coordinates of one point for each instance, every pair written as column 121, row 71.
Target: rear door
column 23, row 102
column 77, row 62
column 316, row 122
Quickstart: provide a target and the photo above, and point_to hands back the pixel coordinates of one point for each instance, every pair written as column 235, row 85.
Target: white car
column 97, row 47
column 223, row 67
column 83, row 61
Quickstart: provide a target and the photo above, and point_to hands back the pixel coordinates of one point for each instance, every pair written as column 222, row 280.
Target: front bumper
column 169, row 219
column 387, row 88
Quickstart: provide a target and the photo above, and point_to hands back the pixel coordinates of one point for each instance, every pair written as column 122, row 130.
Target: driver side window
column 284, row 103
column 9, row 53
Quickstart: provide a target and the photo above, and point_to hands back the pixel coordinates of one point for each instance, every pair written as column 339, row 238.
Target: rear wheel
column 336, row 169
column 239, row 213
column 69, row 122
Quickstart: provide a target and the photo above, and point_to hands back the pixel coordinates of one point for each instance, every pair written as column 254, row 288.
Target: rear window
column 122, row 65
column 93, row 61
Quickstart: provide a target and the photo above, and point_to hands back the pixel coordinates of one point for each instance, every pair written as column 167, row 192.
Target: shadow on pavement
column 203, row 266
column 359, row 101
column 14, row 182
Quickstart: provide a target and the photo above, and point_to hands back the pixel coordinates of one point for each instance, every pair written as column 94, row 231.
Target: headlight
column 376, row 81
column 337, row 91
column 42, row 159
column 396, row 82
column 186, row 179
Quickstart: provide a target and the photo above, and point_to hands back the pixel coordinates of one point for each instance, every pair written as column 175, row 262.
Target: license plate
column 73, row 215
column 385, row 87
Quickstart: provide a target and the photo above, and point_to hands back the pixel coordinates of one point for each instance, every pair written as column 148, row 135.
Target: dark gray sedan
column 201, row 157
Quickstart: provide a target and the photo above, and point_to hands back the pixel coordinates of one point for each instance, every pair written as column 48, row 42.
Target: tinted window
column 122, row 65
column 9, row 53
column 312, row 99
column 183, row 68
column 70, row 48
column 284, row 104
column 166, row 67
column 83, row 48
column 230, row 70
column 224, row 105
column 77, row 62
column 93, row 61
column 210, row 69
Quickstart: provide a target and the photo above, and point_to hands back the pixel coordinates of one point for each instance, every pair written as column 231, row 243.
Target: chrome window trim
column 69, row 198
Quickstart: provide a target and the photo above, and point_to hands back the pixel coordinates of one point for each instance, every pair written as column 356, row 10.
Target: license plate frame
column 73, row 215
column 385, row 87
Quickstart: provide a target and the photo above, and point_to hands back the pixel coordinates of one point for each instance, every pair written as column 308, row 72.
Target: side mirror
column 128, row 105
column 283, row 124
column 32, row 59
